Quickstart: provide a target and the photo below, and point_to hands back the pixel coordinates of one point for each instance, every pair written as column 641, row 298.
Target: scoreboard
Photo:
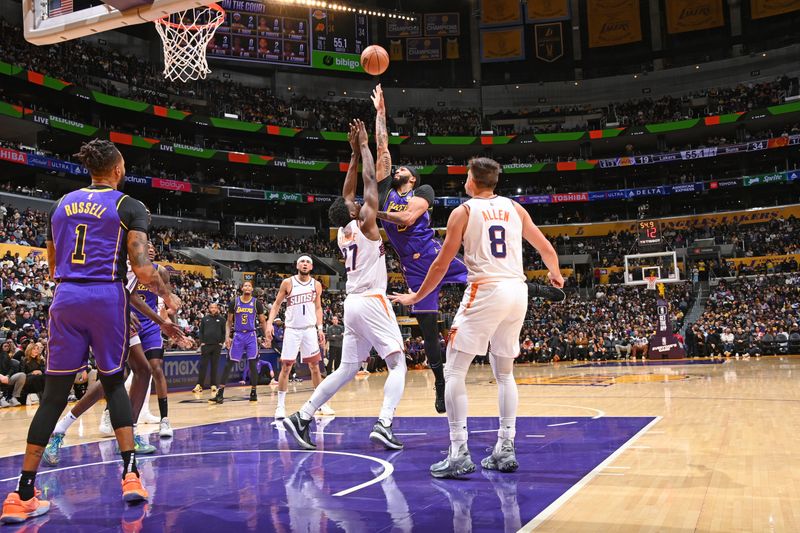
column 649, row 234
column 290, row 35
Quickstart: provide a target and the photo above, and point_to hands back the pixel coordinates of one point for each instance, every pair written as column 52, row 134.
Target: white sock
column 455, row 396
column 64, row 424
column 507, row 397
column 394, row 386
column 281, row 398
column 329, row 386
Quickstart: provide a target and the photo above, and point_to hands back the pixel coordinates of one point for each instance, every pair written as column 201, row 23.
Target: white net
column 185, row 35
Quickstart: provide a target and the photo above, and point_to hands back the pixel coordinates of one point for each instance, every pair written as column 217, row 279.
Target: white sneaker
column 4, row 403
column 326, row 410
column 13, row 402
column 165, row 430
column 106, row 429
column 148, row 418
column 33, row 399
column 280, row 412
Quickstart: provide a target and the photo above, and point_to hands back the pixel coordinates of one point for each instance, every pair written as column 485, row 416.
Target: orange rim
column 216, row 7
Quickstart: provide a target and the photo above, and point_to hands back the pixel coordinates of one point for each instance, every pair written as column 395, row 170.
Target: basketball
column 375, row 60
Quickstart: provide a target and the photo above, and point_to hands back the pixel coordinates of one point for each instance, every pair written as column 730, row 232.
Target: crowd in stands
column 90, row 65
column 755, row 315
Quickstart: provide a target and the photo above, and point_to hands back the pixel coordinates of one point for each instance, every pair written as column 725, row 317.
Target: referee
column 212, row 335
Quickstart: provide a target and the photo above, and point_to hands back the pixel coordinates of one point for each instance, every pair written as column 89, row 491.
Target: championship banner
column 547, row 10
column 502, row 45
column 424, row 49
column 549, row 41
column 403, row 28
column 664, row 345
column 442, row 24
column 693, row 15
column 500, row 12
column 613, row 22
column 760, row 9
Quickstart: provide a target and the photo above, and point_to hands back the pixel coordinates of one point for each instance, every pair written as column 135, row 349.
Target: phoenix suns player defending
column 404, row 209
column 90, row 234
column 492, row 311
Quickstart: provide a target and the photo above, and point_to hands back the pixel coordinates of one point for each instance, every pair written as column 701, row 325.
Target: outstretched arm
column 456, row 225
column 536, row 238
column 369, row 210
column 383, row 165
column 351, row 179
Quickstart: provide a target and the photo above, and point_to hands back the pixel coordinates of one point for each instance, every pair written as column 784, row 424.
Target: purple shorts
column 415, row 270
column 84, row 316
column 150, row 335
column 244, row 344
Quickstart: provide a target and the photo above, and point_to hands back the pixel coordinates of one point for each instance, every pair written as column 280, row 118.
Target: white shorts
column 369, row 322
column 303, row 340
column 134, row 341
column 490, row 318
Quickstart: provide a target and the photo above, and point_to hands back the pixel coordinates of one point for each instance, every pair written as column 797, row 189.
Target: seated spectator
column 12, row 379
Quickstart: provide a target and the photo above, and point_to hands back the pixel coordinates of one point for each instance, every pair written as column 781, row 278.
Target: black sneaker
column 253, row 395
column 298, row 428
column 439, row 404
column 218, row 399
column 546, row 292
column 383, row 435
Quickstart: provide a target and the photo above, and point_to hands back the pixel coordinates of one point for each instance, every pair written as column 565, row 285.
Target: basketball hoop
column 185, row 35
column 651, row 282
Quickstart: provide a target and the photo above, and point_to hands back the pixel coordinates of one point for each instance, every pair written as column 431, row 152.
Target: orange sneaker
column 16, row 510
column 132, row 489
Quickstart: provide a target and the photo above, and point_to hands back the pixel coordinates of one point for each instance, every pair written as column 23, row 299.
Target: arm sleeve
column 383, row 191
column 259, row 308
column 426, row 192
column 133, row 214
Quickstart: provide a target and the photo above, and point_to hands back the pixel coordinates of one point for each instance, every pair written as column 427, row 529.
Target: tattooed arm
column 383, row 163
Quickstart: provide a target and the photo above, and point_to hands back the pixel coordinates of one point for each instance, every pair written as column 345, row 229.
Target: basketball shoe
column 132, row 489
column 299, row 430
column 546, row 292
column 16, row 511
column 383, row 435
column 52, row 451
column 503, row 459
column 453, row 467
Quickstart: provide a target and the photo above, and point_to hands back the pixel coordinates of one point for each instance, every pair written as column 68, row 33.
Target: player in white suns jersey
column 492, row 311
column 369, row 320
column 303, row 295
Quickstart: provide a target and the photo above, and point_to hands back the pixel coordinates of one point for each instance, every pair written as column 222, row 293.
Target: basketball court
column 686, row 445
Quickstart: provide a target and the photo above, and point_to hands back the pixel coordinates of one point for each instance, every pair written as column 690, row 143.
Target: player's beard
column 398, row 181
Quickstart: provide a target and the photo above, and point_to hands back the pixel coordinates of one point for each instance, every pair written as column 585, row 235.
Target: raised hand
column 363, row 138
column 352, row 138
column 377, row 99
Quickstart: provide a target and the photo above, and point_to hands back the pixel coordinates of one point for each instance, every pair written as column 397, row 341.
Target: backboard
column 662, row 265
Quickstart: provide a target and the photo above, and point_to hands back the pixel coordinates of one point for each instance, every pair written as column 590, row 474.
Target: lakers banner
column 613, row 22
column 442, row 24
column 403, row 28
column 547, row 10
column 451, row 48
column 751, row 216
column 693, row 15
column 396, row 50
column 502, row 45
column 205, row 271
column 549, row 41
column 760, row 9
column 739, row 262
column 424, row 49
column 500, row 12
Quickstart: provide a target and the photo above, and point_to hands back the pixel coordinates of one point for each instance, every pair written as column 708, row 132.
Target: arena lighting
column 337, row 6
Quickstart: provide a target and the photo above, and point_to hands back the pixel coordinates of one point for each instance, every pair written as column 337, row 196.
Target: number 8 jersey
column 493, row 240
column 364, row 261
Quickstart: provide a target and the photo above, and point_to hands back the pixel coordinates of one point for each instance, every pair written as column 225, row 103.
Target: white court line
column 485, row 430
column 561, row 424
column 598, row 411
column 535, row 436
column 409, row 434
column 388, row 468
column 553, row 507
column 219, row 432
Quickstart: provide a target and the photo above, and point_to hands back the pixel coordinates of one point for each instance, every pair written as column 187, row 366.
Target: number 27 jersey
column 493, row 240
column 364, row 261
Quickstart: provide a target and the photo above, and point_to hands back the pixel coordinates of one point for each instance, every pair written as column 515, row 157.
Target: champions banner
column 760, row 9
column 424, row 49
column 613, row 22
column 547, row 10
column 693, row 15
column 549, row 41
column 403, row 28
column 442, row 24
column 505, row 44
column 500, row 12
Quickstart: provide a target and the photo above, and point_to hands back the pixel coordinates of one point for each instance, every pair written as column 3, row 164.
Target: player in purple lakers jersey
column 242, row 338
column 405, row 206
column 90, row 234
